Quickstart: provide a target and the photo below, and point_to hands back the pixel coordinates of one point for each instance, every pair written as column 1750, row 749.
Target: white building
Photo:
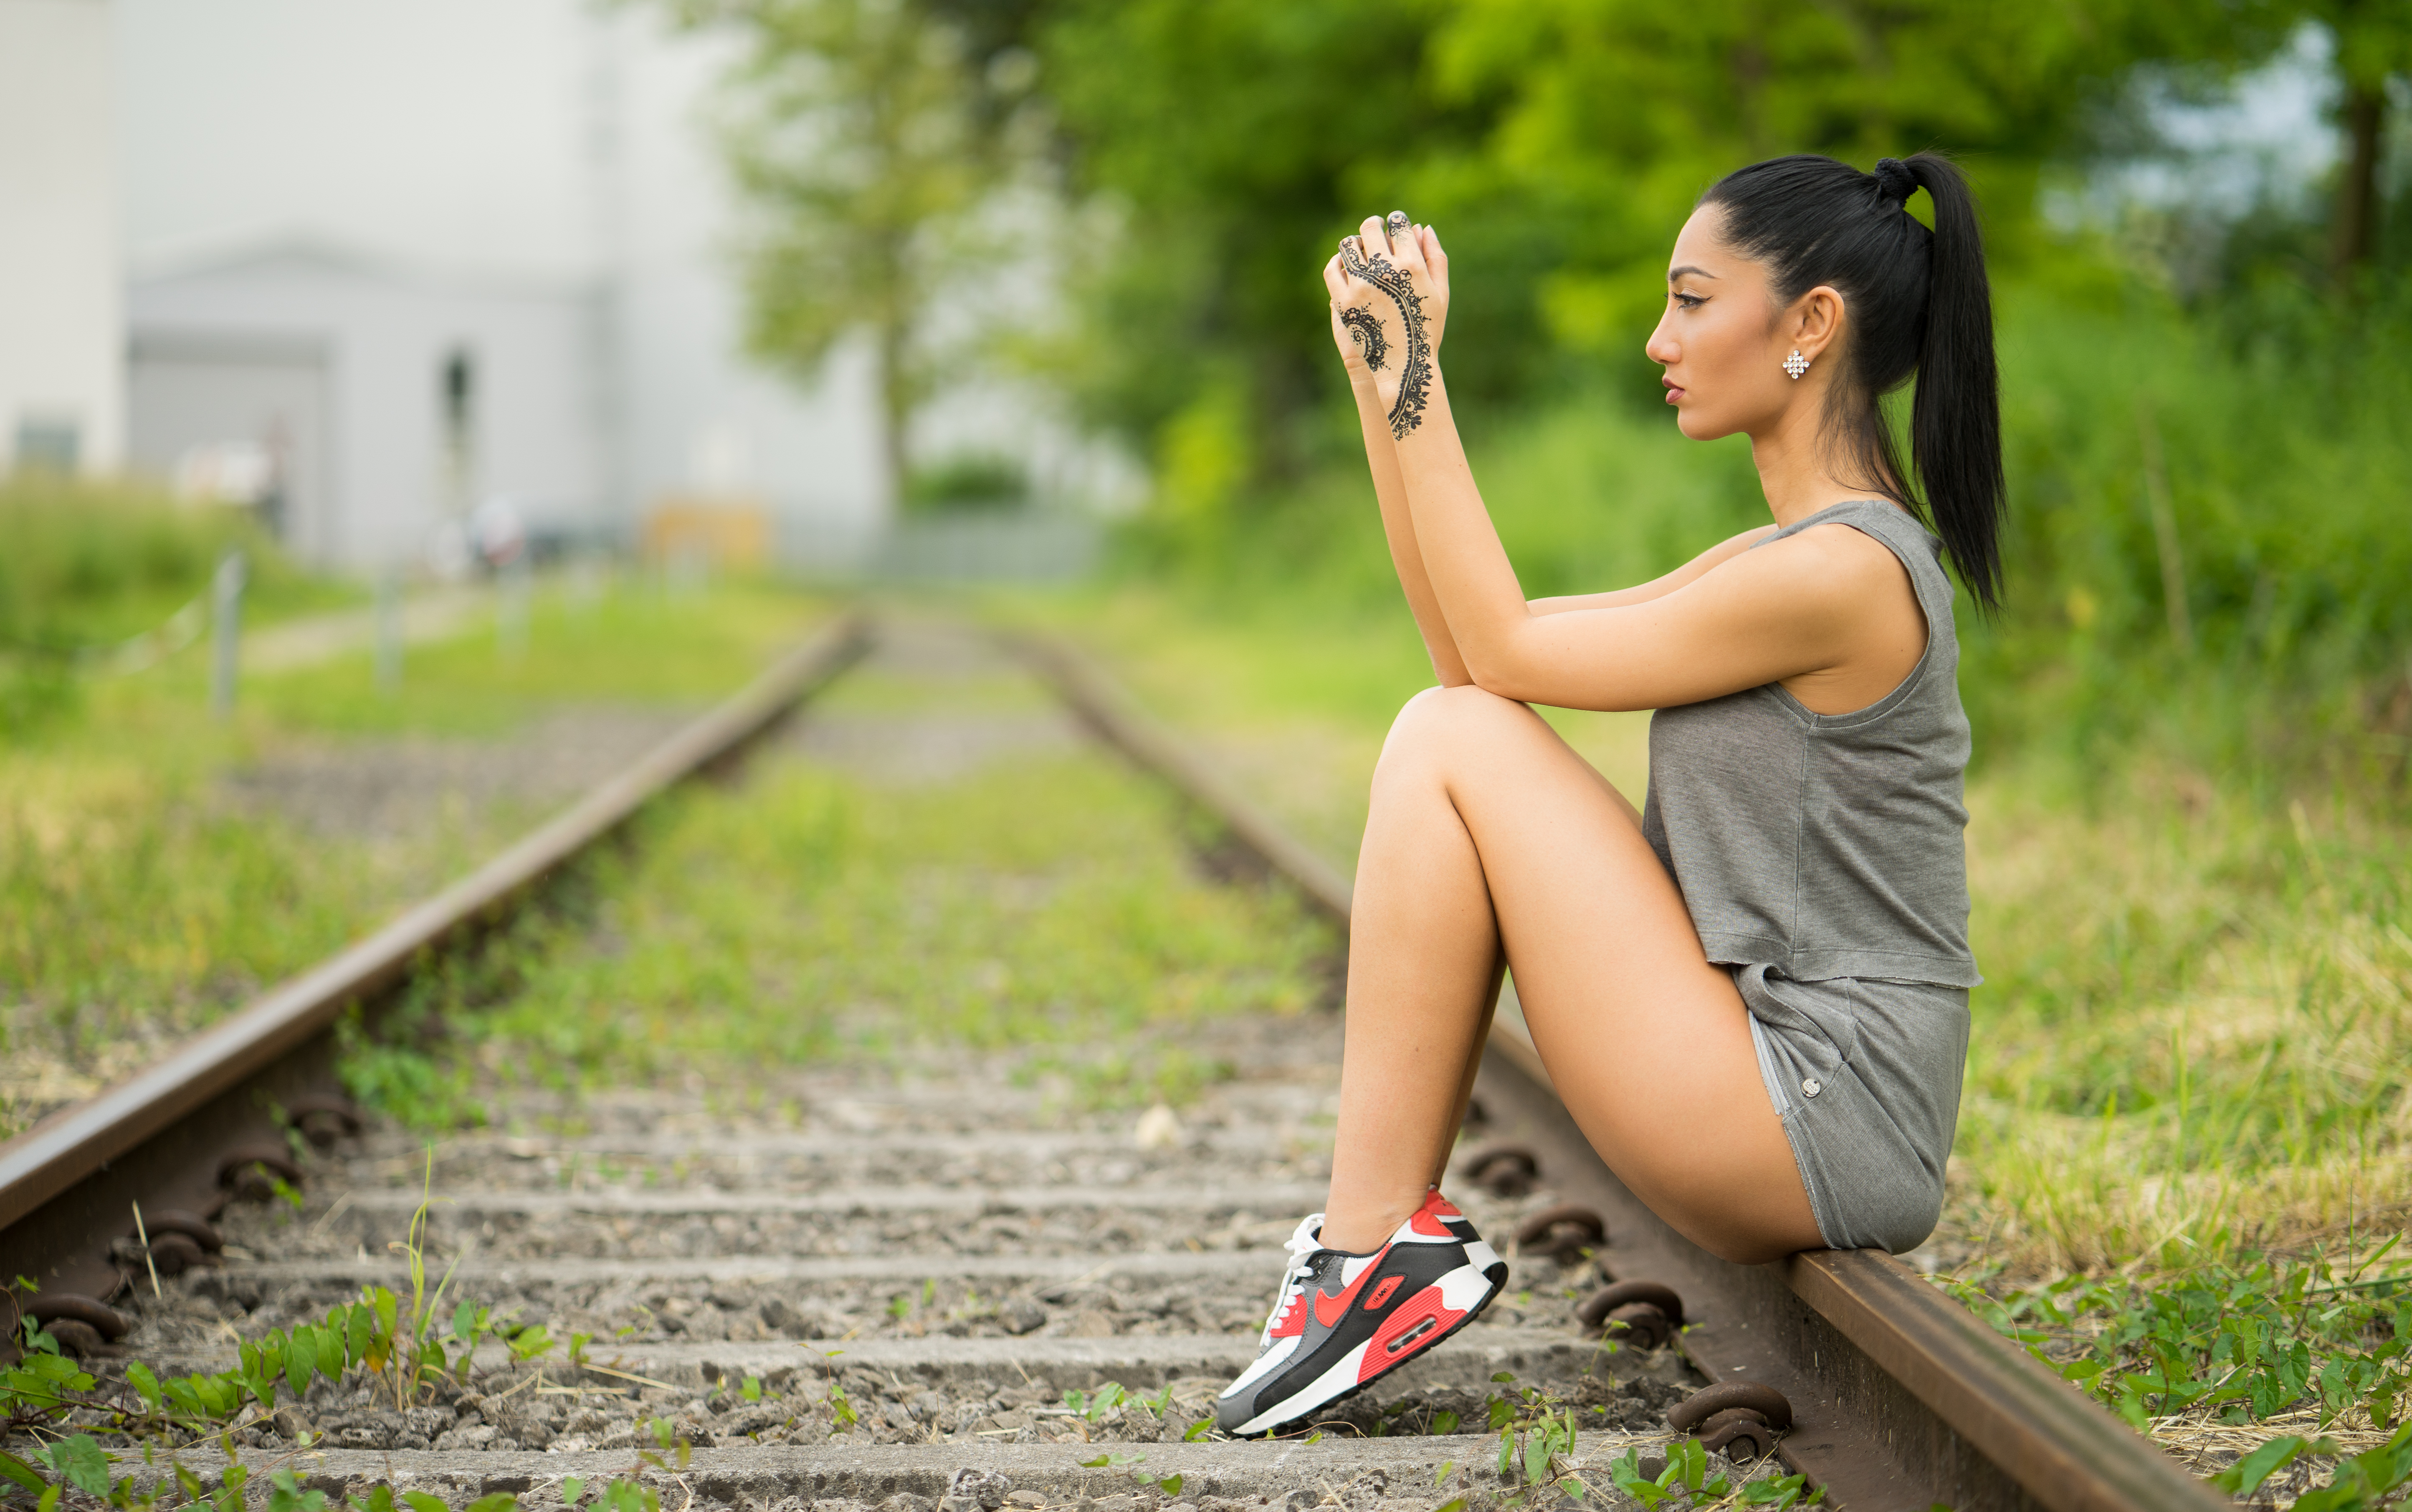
column 429, row 254
column 391, row 400
column 62, row 387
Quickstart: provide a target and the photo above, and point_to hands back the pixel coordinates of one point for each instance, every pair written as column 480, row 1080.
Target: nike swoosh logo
column 1328, row 1309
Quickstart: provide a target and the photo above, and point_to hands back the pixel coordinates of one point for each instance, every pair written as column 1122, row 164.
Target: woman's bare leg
column 1488, row 836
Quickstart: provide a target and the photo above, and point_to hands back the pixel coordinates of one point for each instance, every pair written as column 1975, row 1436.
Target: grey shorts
column 1865, row 1076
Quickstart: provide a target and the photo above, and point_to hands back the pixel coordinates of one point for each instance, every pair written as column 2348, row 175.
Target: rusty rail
column 1903, row 1399
column 65, row 1184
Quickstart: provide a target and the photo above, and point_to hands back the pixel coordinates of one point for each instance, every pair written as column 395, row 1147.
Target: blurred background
column 943, row 288
column 575, row 349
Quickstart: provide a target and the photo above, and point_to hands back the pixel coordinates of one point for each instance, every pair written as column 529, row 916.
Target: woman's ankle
column 1362, row 1227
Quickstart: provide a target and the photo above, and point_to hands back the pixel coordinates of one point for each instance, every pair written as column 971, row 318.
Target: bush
column 967, row 482
column 87, row 567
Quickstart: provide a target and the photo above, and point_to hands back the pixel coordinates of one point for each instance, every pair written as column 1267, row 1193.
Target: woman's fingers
column 1375, row 238
column 1395, row 239
column 1335, row 281
column 1428, row 241
column 1406, row 244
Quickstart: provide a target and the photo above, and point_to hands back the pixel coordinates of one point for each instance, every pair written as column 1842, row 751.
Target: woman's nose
column 1661, row 349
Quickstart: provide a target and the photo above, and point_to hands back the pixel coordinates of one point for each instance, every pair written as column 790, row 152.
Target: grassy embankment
column 153, row 868
column 2190, row 1058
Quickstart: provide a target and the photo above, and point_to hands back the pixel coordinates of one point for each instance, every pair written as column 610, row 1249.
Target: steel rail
column 72, row 1170
column 1903, row 1398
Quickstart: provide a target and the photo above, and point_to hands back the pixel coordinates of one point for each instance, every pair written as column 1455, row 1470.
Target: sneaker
column 1341, row 1320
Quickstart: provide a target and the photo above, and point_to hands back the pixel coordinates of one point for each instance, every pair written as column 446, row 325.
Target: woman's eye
column 1691, row 302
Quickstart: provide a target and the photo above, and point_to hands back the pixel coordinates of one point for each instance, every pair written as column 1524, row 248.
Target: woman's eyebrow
column 1674, row 273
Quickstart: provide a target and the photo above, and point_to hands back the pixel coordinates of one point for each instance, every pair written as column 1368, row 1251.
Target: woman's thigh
column 1647, row 1043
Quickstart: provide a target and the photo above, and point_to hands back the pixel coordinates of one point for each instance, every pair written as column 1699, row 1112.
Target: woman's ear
column 1817, row 320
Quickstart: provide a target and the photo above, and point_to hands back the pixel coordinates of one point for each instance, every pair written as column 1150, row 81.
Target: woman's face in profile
column 1720, row 339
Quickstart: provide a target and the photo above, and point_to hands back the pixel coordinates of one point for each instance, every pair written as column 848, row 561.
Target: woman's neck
column 1796, row 466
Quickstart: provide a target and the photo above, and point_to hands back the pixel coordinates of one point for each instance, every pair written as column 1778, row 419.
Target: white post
column 228, row 619
column 511, row 608
column 388, row 626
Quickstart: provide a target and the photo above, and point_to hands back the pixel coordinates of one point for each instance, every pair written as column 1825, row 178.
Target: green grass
column 140, row 901
column 1047, row 905
column 2206, row 1045
column 635, row 644
column 89, row 567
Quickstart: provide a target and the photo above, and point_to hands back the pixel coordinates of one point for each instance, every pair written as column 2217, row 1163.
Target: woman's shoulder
column 1836, row 558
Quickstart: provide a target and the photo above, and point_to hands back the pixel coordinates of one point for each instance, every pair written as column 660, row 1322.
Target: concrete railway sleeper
column 942, row 1294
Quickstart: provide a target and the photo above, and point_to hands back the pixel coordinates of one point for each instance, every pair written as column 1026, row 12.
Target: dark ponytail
column 1918, row 303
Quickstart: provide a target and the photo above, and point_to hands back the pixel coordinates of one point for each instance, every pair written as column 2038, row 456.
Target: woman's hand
column 1390, row 299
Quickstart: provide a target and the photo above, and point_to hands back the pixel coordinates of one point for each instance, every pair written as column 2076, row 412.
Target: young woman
column 1752, row 993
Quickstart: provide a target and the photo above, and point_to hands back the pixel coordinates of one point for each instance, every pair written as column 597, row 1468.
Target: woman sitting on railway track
column 1751, row 992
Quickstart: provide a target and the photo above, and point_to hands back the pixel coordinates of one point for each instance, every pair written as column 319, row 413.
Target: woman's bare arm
column 1406, row 558
column 1743, row 620
column 1391, row 493
column 1659, row 587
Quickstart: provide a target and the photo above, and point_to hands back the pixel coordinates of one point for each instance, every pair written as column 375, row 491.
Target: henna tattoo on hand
column 1415, row 383
column 1398, row 225
column 1367, row 332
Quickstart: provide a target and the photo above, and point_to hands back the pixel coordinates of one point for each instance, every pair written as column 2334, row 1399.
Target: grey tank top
column 1827, row 846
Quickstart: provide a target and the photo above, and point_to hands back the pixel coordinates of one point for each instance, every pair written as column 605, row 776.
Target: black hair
column 1919, row 304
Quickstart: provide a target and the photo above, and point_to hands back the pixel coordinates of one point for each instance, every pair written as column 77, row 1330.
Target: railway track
column 939, row 1286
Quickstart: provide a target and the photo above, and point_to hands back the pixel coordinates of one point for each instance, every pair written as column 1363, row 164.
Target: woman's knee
column 1440, row 719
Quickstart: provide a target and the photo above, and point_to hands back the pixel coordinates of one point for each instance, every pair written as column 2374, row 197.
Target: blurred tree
column 1234, row 139
column 868, row 142
column 2374, row 42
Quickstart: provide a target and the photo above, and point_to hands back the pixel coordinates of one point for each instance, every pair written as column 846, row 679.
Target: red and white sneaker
column 1342, row 1320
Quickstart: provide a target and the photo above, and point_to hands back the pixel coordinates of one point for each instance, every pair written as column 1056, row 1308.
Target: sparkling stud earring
column 1796, row 365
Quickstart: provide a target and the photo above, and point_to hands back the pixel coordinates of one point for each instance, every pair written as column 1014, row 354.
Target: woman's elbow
column 1503, row 675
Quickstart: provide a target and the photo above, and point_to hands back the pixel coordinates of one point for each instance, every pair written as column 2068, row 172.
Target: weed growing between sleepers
column 400, row 1348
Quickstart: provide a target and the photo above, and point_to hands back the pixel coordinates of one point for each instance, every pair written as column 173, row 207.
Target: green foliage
column 286, row 1494
column 1557, row 146
column 968, row 482
column 1236, row 134
column 1608, row 120
column 80, row 1462
column 2207, row 1041
column 2237, row 1341
column 92, row 573
column 90, row 565
column 42, row 1382
column 1687, row 1474
column 2358, row 1482
column 2276, row 459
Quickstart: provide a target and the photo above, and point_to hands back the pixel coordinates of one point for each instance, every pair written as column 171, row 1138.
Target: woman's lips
column 1674, row 394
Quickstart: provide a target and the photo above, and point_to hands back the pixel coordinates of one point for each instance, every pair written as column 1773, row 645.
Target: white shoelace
column 1303, row 1241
